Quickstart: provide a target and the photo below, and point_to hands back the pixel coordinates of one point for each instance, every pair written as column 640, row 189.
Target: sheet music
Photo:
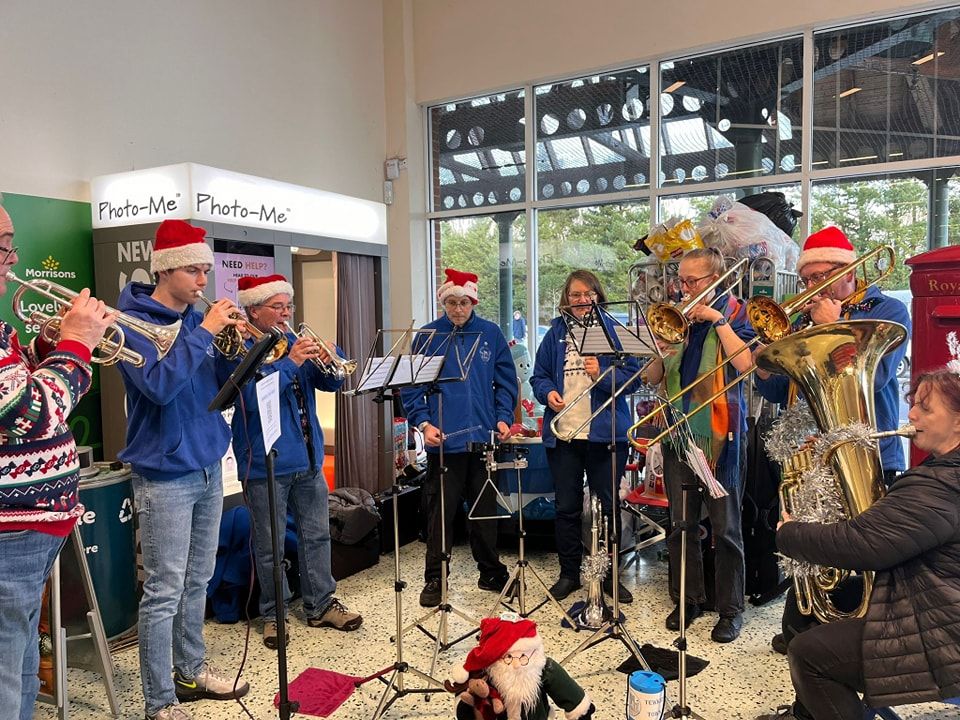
column 416, row 369
column 644, row 344
column 594, row 341
column 379, row 372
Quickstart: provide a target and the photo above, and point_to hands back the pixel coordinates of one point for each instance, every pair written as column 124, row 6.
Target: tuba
column 595, row 567
column 834, row 367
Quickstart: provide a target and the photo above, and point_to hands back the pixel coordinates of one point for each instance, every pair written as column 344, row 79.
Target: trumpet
column 231, row 343
column 113, row 345
column 337, row 368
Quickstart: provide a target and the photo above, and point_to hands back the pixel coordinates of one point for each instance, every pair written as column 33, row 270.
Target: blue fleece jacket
column 291, row 446
column 548, row 375
column 486, row 397
column 886, row 388
column 170, row 432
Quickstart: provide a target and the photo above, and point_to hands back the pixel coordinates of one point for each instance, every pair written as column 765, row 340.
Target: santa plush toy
column 511, row 660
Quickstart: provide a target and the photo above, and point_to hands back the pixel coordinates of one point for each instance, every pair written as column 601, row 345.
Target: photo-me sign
column 197, row 192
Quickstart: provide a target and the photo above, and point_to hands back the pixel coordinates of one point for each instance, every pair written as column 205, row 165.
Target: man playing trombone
column 718, row 328
column 39, row 504
column 175, row 446
column 268, row 302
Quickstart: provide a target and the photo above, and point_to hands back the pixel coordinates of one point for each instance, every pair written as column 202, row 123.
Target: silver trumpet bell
column 113, row 346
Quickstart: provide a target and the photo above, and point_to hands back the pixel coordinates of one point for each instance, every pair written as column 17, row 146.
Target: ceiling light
column 820, row 162
column 676, row 86
column 851, row 91
column 895, row 154
column 294, row 249
column 859, row 157
column 928, row 58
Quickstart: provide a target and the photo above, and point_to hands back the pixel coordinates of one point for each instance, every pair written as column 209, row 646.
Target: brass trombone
column 771, row 321
column 337, row 367
column 113, row 345
column 669, row 322
column 231, row 343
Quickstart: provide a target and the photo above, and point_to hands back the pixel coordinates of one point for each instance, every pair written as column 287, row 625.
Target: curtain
column 358, row 439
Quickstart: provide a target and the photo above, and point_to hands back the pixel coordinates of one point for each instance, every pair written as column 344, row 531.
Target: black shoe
column 727, row 629
column 779, row 644
column 626, row 597
column 783, row 712
column 493, row 583
column 563, row 587
column 430, row 595
column 693, row 611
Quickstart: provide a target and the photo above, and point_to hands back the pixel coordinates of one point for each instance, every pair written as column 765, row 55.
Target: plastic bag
column 740, row 232
column 673, row 239
column 776, row 207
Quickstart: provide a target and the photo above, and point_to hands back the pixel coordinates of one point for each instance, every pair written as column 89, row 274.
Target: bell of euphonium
column 595, row 567
column 834, row 367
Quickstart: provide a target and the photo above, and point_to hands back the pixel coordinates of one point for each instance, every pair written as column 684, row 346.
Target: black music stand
column 379, row 376
column 601, row 334
column 456, row 360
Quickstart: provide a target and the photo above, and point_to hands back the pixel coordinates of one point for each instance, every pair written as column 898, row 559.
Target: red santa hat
column 6, row 224
column 828, row 245
column 257, row 290
column 497, row 638
column 458, row 284
column 179, row 244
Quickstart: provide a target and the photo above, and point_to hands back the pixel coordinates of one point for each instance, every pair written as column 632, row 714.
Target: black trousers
column 826, row 666
column 465, row 477
column 724, row 515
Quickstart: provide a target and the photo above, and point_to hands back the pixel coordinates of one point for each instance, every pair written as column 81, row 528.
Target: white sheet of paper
column 268, row 398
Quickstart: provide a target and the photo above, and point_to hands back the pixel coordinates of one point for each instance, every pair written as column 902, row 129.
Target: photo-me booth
column 332, row 247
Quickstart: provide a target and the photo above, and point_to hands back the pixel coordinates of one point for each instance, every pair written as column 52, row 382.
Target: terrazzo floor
column 743, row 679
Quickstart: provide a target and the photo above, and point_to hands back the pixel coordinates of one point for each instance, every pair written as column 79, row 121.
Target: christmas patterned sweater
column 39, row 387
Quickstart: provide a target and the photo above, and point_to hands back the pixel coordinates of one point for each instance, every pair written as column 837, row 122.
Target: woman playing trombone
column 718, row 328
column 560, row 376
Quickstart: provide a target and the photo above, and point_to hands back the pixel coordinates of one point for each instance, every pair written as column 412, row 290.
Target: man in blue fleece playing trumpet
column 484, row 401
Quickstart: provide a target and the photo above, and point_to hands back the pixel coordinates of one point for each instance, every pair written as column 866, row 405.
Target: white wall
column 465, row 48
column 286, row 89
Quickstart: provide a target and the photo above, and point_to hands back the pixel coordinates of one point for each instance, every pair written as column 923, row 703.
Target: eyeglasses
column 464, row 303
column 692, row 282
column 589, row 295
column 280, row 307
column 7, row 252
column 815, row 278
column 521, row 660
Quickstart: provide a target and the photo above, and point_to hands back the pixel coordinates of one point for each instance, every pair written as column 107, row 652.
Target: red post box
column 935, row 284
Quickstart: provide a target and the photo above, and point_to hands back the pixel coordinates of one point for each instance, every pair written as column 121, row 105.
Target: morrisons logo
column 51, row 269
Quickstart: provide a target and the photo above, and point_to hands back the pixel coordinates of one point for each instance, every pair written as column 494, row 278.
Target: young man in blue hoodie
column 175, row 446
column 268, row 302
column 484, row 401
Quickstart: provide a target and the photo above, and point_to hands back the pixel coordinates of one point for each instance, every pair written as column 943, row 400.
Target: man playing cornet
column 39, row 505
column 175, row 446
column 299, row 463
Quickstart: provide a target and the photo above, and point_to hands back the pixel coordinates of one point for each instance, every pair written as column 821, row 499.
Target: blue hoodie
column 291, row 446
column 488, row 395
column 170, row 432
column 886, row 388
column 548, row 375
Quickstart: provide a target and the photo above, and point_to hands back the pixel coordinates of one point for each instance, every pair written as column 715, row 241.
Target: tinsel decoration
column 790, row 432
column 818, row 497
column 594, row 567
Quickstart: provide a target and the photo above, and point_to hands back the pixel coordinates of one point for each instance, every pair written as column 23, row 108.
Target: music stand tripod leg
column 396, row 687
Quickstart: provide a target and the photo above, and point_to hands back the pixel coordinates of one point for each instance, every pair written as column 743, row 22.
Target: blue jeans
column 26, row 558
column 306, row 494
column 568, row 462
column 179, row 529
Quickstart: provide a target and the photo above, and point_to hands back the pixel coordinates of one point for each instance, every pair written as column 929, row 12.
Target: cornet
column 113, row 345
column 231, row 343
column 337, row 367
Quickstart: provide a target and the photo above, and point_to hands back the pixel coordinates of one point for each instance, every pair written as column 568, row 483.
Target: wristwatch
column 422, row 426
column 721, row 321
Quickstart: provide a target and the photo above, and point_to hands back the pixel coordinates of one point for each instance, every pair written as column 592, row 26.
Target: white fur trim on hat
column 827, row 255
column 261, row 293
column 176, row 257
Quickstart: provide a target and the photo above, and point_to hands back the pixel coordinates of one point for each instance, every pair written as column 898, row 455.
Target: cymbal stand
column 516, row 585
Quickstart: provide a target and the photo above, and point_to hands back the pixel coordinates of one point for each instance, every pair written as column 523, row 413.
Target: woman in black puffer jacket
column 907, row 648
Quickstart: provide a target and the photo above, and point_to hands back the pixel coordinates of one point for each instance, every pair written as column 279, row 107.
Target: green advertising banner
column 55, row 243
